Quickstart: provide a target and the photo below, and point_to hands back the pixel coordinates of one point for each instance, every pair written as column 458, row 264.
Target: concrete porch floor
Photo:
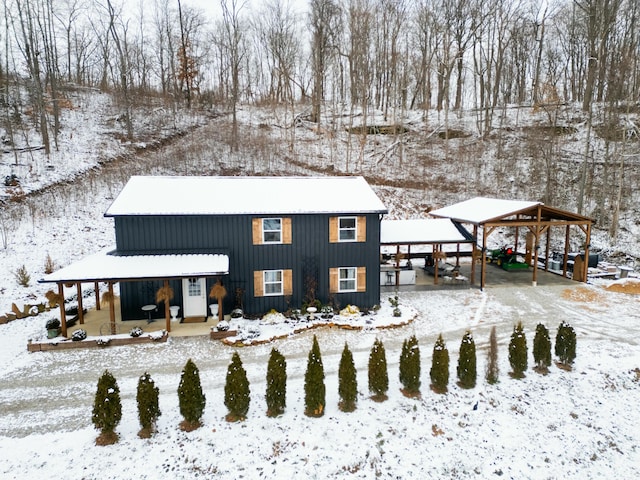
column 495, row 277
column 96, row 323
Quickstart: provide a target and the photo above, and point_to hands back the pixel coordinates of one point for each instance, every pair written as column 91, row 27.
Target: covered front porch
column 111, row 269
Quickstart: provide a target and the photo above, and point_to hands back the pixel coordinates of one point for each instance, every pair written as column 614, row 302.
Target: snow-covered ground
column 577, row 424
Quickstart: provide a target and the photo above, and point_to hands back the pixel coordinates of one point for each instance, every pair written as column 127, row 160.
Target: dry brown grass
column 583, row 295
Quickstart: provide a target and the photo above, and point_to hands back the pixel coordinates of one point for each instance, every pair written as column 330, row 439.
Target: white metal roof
column 420, row 231
column 481, row 209
column 173, row 195
column 103, row 266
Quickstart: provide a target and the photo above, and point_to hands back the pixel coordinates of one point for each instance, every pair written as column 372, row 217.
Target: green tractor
column 507, row 258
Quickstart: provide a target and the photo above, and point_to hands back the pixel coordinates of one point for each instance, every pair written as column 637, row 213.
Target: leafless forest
column 463, row 97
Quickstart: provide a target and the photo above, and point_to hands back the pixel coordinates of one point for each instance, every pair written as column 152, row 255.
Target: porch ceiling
column 105, row 267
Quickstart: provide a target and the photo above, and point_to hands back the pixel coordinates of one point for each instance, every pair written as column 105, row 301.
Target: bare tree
column 325, row 23
column 233, row 37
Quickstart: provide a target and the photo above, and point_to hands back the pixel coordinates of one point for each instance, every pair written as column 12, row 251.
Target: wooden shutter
column 361, row 229
column 258, row 283
column 287, row 279
column 333, row 229
column 286, row 230
column 256, row 228
column 333, row 280
column 361, row 279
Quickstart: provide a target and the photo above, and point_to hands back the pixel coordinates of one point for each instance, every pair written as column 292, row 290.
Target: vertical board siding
column 233, row 236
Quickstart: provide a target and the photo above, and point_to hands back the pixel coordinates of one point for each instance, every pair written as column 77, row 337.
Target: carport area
column 535, row 222
column 418, row 252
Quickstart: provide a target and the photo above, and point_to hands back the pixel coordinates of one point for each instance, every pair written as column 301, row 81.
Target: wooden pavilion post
column 547, row 248
column 587, row 244
column 483, row 267
column 536, row 246
column 112, row 309
column 96, row 289
column 167, row 312
column 63, row 314
column 515, row 244
column 80, row 308
column 566, row 252
column 474, row 251
column 397, row 266
column 436, row 261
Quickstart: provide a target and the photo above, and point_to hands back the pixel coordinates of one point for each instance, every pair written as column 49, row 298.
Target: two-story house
column 274, row 242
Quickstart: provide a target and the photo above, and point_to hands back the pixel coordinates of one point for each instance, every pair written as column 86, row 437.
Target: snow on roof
column 420, row 231
column 173, row 195
column 480, row 210
column 103, row 266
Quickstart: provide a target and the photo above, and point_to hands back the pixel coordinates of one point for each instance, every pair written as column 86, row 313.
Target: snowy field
column 578, row 424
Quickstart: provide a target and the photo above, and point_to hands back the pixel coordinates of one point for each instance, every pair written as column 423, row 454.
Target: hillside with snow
column 568, row 424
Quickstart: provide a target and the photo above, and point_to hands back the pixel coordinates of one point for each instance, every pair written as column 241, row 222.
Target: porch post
column 80, row 314
column 63, row 315
column 167, row 312
column 112, row 310
column 96, row 288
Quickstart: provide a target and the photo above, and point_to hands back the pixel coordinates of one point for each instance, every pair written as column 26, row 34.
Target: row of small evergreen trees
column 107, row 410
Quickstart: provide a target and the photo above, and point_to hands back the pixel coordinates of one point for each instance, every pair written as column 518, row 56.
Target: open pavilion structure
column 435, row 232
column 486, row 215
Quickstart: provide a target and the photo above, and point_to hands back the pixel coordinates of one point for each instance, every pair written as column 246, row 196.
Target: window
column 347, row 229
column 195, row 287
column 347, row 279
column 271, row 230
column 273, row 282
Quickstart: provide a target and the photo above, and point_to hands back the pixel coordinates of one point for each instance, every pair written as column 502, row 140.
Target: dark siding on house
column 310, row 252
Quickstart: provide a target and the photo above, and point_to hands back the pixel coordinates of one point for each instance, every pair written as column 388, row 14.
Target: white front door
column 194, row 297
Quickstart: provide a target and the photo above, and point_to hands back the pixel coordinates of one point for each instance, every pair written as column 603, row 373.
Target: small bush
column 347, row 381
column 314, row 388
column 518, row 352
column 276, row 394
column 237, row 395
column 410, row 367
column 79, row 335
column 136, row 332
column 565, row 348
column 378, row 373
column 542, row 349
column 148, row 406
column 493, row 370
column 467, row 372
column 107, row 409
column 49, row 265
column 439, row 372
column 22, row 276
column 52, row 324
column 190, row 397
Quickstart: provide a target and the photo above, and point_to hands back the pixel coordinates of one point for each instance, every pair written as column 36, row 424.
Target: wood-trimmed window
column 347, row 229
column 347, row 279
column 271, row 230
column 271, row 283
